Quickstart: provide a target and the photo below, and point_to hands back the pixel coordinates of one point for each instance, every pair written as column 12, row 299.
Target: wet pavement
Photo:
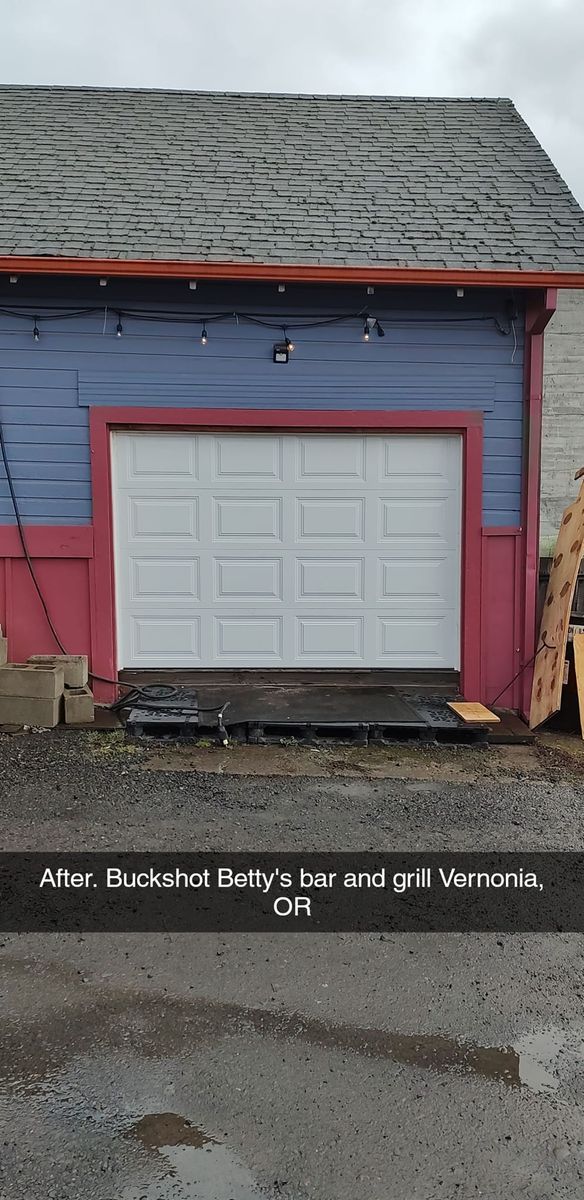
column 289, row 1067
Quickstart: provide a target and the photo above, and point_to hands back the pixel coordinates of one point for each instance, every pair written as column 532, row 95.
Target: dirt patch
column 446, row 763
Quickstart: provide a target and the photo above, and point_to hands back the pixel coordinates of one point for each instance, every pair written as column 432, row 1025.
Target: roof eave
column 290, row 272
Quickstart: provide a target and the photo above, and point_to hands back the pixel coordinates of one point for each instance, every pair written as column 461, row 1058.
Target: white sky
column 531, row 50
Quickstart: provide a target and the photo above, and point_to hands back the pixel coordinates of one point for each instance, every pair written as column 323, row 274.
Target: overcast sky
column 531, row 50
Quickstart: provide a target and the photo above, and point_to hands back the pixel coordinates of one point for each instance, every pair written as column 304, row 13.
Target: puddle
column 547, row 1056
column 158, row 1028
column 195, row 1165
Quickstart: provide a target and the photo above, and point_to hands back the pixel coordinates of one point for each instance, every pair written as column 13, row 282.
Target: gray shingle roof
column 214, row 176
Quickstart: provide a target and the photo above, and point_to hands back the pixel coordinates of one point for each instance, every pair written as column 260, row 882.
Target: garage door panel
column 310, row 550
column 422, row 641
column 177, row 639
column 160, row 461
column 173, row 580
column 324, row 519
column 415, row 520
column 247, row 518
column 242, row 638
column 163, row 517
column 325, row 578
column 417, row 580
column 248, row 578
column 415, row 464
column 328, row 461
column 247, row 459
column 322, row 638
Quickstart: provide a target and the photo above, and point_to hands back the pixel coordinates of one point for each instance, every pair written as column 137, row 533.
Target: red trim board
column 48, row 541
column 294, row 273
column 104, row 420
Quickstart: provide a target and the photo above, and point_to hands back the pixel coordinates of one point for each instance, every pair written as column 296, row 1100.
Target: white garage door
column 261, row 550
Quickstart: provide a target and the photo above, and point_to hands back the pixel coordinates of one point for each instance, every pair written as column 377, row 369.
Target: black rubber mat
column 322, row 706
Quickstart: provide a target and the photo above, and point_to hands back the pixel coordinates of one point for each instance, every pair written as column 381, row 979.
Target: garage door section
column 260, row 550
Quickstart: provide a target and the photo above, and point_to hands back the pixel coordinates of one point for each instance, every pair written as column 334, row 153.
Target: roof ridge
column 344, row 96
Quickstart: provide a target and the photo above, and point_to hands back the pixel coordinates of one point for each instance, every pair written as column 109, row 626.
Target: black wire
column 25, row 550
column 182, row 318
column 24, row 543
column 544, row 646
column 151, row 692
column 134, row 692
column 39, row 315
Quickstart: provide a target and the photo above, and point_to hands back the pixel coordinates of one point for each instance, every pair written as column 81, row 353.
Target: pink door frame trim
column 103, row 421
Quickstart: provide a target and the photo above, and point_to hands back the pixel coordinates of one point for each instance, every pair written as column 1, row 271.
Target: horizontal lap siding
column 423, row 362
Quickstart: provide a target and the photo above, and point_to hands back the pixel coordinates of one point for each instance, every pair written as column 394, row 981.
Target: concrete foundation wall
column 563, row 412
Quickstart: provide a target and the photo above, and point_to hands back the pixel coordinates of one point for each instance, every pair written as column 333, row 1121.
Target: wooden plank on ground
column 473, row 714
column 546, row 695
column 578, row 644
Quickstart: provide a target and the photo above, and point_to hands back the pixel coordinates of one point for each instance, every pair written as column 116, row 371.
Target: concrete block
column 31, row 679
column 3, row 651
column 31, row 710
column 79, row 706
column 74, row 666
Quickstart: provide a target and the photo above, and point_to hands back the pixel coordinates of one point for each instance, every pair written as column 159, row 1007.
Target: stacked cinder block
column 31, row 694
column 45, row 690
column 78, row 706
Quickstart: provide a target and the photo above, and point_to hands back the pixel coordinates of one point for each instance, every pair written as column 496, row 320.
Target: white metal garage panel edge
column 282, row 550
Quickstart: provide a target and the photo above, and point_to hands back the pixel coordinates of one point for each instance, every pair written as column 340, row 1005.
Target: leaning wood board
column 473, row 714
column 548, row 671
column 578, row 644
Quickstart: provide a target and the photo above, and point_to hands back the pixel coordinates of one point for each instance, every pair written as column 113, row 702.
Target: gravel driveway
column 329, row 1067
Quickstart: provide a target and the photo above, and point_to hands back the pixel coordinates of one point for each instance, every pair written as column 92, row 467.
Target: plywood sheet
column 546, row 695
column 473, row 714
column 578, row 644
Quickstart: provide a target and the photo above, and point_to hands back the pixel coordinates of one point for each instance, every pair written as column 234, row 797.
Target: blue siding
column 428, row 359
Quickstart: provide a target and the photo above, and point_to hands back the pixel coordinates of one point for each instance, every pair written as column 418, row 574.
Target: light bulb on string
column 36, row 333
column 119, row 326
column 204, row 336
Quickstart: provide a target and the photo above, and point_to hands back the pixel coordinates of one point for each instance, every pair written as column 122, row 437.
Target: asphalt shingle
column 226, row 177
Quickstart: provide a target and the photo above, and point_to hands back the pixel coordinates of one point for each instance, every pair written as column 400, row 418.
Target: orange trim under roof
column 315, row 273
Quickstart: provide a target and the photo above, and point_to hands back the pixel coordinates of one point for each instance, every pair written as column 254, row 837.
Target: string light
column 370, row 324
column 504, row 324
